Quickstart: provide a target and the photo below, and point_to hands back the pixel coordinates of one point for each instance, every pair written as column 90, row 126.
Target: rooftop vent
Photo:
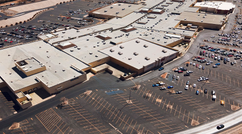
column 135, row 53
column 145, row 46
column 129, row 58
column 111, row 7
column 137, row 41
column 121, row 47
column 147, row 58
column 123, row 9
column 90, row 53
column 120, row 53
column 201, row 20
column 105, row 11
column 96, row 56
column 164, row 51
column 111, row 50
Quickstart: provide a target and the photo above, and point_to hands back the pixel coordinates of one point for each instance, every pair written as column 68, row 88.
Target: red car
column 230, row 55
column 180, row 71
column 10, row 41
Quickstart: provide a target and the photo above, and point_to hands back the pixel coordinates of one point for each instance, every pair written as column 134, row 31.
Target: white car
column 214, row 97
column 186, row 87
column 194, row 85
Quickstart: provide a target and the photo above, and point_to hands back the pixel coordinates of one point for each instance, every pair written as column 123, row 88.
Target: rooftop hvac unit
column 120, row 53
column 147, row 58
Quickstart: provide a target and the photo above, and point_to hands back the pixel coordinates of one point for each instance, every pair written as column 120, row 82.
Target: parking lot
column 72, row 14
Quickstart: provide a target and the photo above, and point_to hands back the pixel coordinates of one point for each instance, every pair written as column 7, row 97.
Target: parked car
column 214, row 97
column 179, row 92
column 163, row 88
column 205, row 91
column 194, row 85
column 215, row 66
column 180, row 71
column 186, row 87
column 187, row 74
column 187, row 83
column 197, row 92
column 169, row 87
column 213, row 92
column 155, row 85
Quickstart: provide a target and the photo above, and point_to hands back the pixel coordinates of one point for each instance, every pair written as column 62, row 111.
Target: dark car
column 205, row 91
column 220, row 126
column 187, row 74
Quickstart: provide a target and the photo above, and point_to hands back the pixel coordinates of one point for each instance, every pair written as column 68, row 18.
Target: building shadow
column 20, row 73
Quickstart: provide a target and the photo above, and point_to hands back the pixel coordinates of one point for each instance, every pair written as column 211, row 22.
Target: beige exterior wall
column 174, row 43
column 128, row 67
column 64, row 85
column 204, row 25
column 36, row 85
column 99, row 62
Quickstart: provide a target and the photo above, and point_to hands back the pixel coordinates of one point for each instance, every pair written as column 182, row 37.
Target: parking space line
column 127, row 122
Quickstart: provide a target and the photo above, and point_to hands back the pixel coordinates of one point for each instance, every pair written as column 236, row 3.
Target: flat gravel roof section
column 137, row 52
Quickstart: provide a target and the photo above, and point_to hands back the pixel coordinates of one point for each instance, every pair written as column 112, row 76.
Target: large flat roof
column 118, row 9
column 126, row 52
column 86, row 48
column 58, row 65
column 220, row 5
column 165, row 24
column 115, row 23
column 201, row 18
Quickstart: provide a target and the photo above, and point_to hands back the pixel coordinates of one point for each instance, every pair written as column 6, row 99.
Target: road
column 210, row 127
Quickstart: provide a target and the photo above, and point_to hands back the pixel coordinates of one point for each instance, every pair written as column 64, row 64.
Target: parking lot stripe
column 113, row 112
column 130, row 125
column 85, row 119
column 126, row 122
